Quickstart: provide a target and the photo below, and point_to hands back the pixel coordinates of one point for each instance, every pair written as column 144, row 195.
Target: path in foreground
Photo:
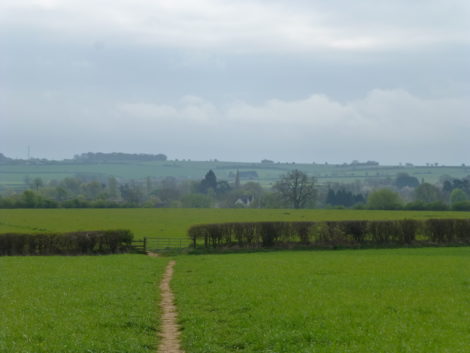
column 169, row 332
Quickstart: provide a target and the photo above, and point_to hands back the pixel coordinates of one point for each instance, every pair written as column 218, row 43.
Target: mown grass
column 175, row 222
column 93, row 304
column 402, row 300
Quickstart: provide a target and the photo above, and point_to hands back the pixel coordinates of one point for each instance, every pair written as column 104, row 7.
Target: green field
column 175, row 222
column 90, row 304
column 13, row 176
column 406, row 300
column 389, row 300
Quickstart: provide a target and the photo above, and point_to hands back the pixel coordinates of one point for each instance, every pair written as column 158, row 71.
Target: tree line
column 293, row 190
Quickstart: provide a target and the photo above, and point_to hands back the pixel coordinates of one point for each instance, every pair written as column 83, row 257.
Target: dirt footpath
column 169, row 331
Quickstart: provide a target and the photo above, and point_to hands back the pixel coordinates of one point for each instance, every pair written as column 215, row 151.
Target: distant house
column 244, row 201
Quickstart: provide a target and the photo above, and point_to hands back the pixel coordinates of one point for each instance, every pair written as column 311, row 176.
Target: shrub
column 461, row 206
column 440, row 230
column 331, row 234
column 74, row 243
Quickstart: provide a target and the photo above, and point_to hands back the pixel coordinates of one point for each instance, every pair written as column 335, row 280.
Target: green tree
column 427, row 193
column 132, row 194
column 296, row 189
column 405, row 180
column 384, row 199
column 209, row 182
column 458, row 195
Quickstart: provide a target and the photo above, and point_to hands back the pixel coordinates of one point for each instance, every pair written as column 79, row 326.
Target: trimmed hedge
column 74, row 243
column 332, row 234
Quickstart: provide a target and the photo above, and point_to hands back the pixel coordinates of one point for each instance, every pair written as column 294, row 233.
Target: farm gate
column 161, row 243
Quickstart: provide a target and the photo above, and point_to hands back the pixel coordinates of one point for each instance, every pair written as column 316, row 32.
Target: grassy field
column 357, row 301
column 13, row 176
column 406, row 300
column 175, row 222
column 79, row 304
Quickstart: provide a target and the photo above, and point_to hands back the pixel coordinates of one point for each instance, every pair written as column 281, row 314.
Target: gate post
column 145, row 244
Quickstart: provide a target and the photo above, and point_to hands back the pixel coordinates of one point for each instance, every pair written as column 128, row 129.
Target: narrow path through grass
column 169, row 331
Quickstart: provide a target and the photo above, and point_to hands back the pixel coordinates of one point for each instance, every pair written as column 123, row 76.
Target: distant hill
column 125, row 166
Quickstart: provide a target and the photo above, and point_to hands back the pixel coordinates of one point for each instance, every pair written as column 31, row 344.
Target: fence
column 160, row 243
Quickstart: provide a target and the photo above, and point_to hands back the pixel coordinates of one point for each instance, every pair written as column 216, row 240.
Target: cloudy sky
column 298, row 80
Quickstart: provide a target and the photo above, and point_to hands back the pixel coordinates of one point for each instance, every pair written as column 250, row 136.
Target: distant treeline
column 405, row 192
column 74, row 243
column 90, row 157
column 116, row 157
column 334, row 234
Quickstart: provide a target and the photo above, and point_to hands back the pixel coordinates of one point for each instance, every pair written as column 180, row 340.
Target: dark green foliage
column 462, row 230
column 332, row 234
column 74, row 243
column 384, row 199
column 209, row 182
column 461, row 206
column 440, row 230
column 381, row 232
column 344, row 198
column 427, row 193
column 407, row 230
column 405, row 180
column 251, row 234
column 426, row 206
column 356, row 229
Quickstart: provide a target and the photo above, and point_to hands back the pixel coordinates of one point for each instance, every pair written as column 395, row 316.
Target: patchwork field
column 90, row 304
column 175, row 222
column 13, row 176
column 406, row 300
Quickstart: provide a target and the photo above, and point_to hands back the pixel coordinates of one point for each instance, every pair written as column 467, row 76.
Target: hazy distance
column 296, row 81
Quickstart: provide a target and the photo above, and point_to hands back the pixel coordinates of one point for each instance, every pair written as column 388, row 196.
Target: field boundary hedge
column 332, row 234
column 72, row 243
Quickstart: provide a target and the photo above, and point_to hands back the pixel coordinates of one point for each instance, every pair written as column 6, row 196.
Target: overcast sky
column 298, row 80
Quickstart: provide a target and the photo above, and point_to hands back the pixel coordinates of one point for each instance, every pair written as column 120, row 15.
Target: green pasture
column 356, row 301
column 175, row 222
column 92, row 304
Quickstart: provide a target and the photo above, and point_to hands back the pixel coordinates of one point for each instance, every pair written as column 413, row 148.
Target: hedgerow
column 73, row 243
column 332, row 234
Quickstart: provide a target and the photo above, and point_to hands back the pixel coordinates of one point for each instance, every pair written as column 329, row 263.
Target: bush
column 332, row 234
column 384, row 199
column 461, row 206
column 74, row 243
column 440, row 230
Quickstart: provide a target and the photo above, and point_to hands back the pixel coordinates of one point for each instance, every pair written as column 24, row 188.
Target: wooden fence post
column 145, row 244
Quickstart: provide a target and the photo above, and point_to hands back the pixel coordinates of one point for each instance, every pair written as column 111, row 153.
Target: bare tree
column 296, row 188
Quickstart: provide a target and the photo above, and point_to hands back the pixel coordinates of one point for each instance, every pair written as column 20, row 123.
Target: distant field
column 175, row 222
column 377, row 301
column 94, row 304
column 13, row 176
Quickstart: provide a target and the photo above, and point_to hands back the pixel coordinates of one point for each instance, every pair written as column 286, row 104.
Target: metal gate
column 161, row 243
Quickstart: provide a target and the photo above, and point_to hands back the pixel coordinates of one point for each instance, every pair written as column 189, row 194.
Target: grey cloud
column 299, row 80
column 253, row 26
column 390, row 126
